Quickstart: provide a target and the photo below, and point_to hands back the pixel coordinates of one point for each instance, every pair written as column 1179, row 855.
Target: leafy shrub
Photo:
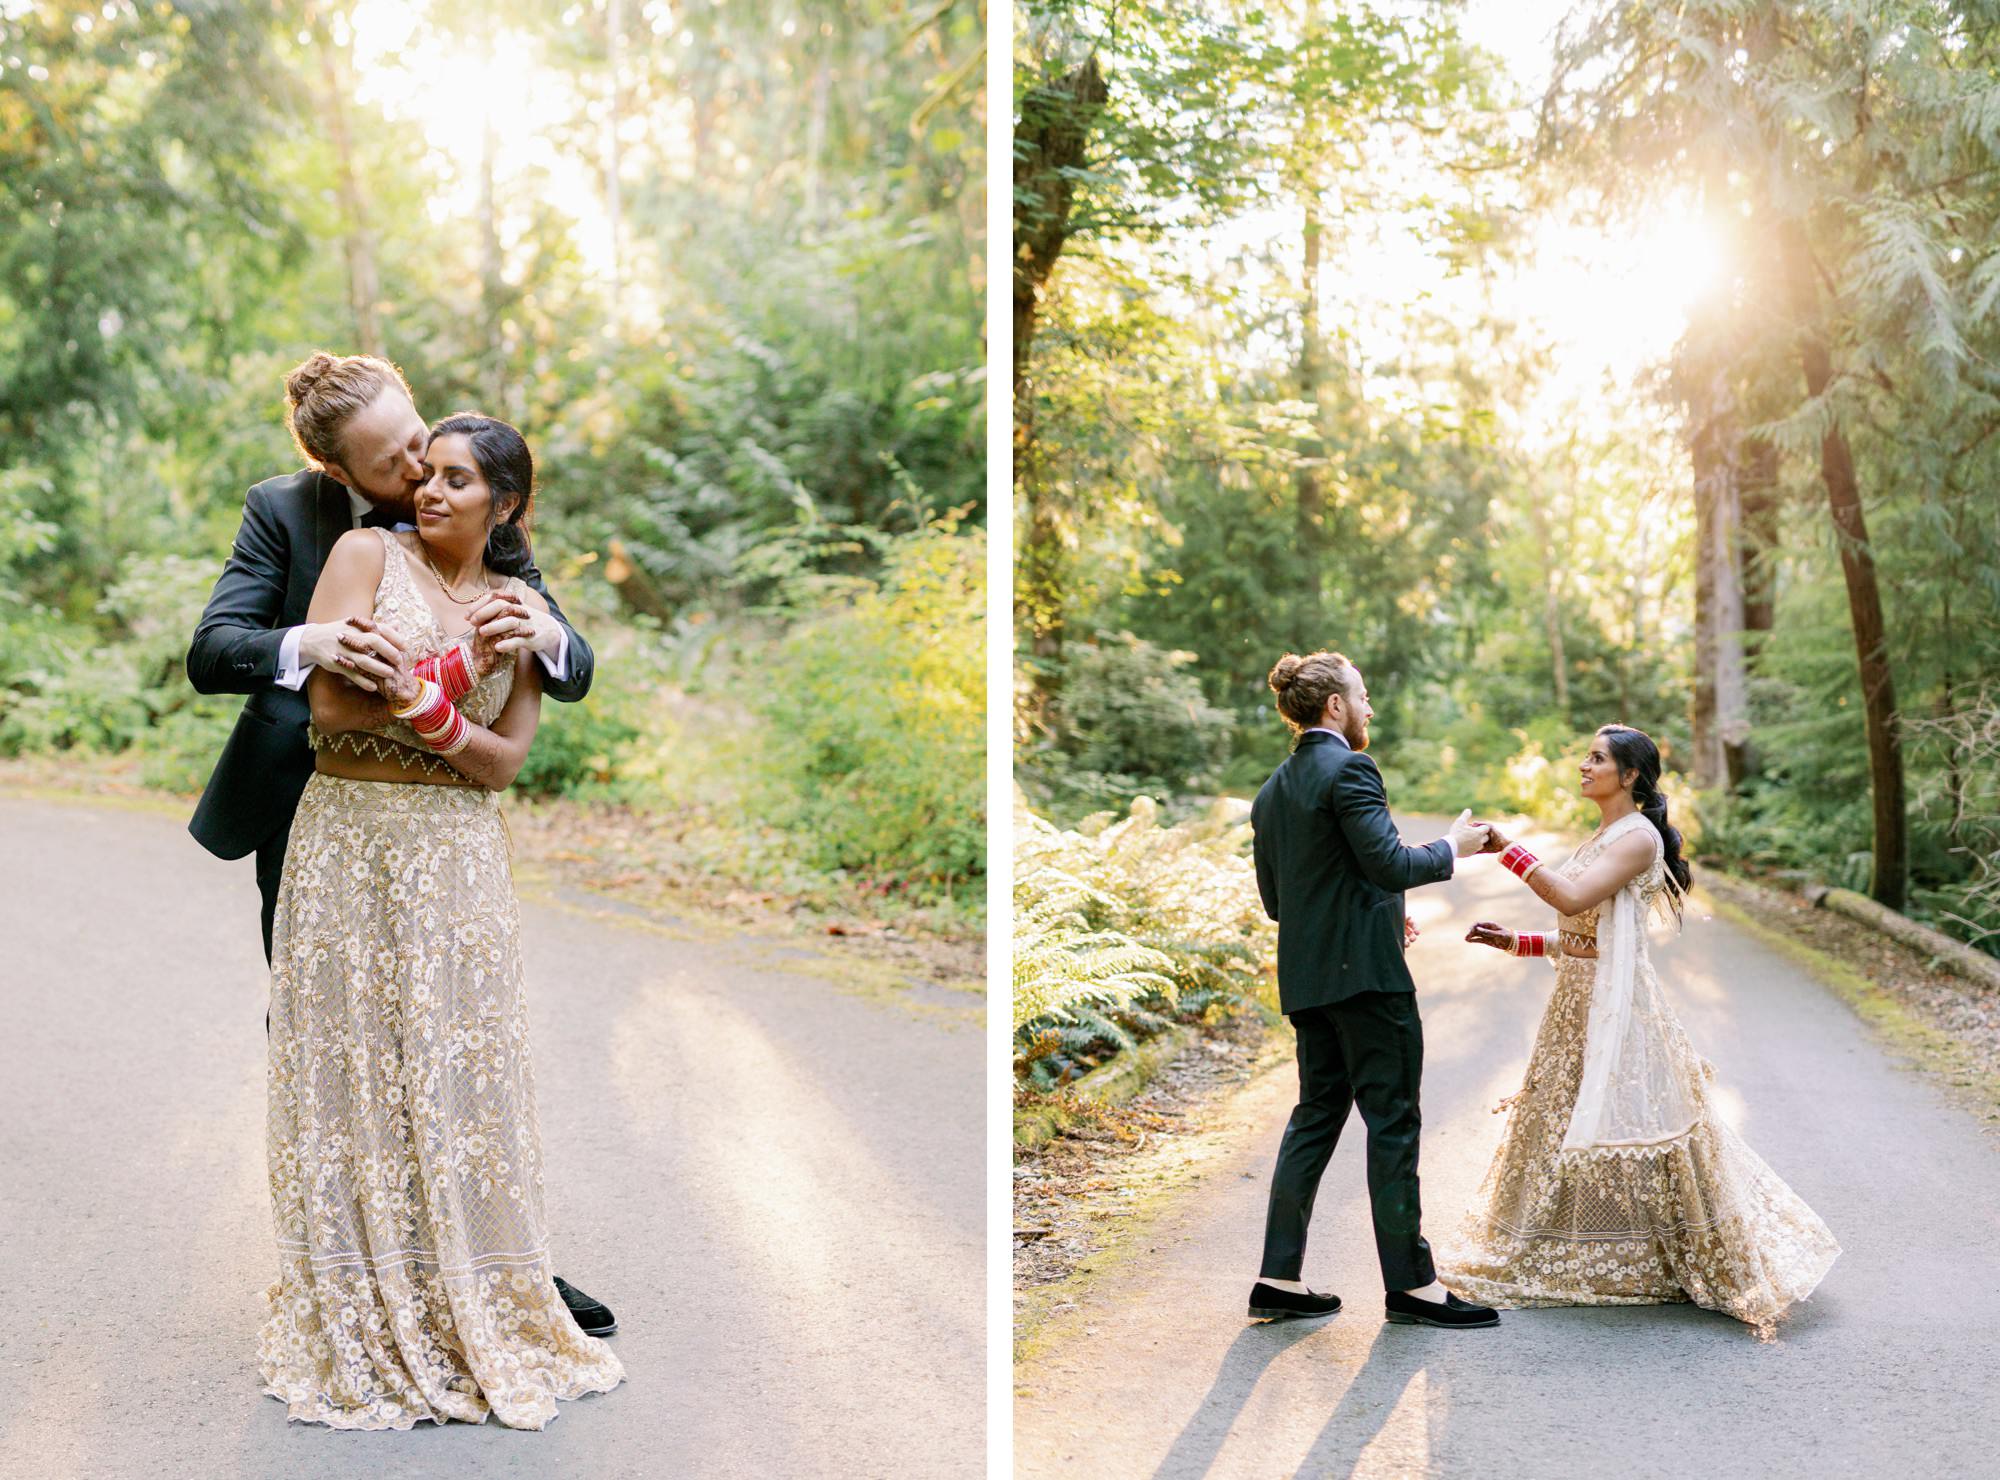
column 1123, row 925
column 178, row 753
column 1128, row 710
column 64, row 686
column 577, row 748
column 873, row 715
column 1479, row 763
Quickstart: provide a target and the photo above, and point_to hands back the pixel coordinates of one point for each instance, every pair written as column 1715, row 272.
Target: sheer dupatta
column 1634, row 1091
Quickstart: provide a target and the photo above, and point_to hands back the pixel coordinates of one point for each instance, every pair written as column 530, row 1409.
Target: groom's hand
column 1410, row 932
column 355, row 648
column 1496, row 842
column 1466, row 835
column 507, row 625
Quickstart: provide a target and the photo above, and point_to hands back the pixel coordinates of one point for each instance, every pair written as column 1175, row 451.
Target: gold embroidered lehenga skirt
column 405, row 1159
column 1697, row 1218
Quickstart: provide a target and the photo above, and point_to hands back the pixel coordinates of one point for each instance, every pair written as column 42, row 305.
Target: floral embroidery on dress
column 405, row 1157
column 1699, row 1217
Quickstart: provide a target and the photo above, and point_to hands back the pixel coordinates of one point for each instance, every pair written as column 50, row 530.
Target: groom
column 354, row 420
column 1332, row 870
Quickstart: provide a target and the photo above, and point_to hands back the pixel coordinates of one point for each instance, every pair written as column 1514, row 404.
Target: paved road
column 1891, row 1369
column 775, row 1182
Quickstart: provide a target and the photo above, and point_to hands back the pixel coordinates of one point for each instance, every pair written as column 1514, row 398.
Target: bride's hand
column 403, row 685
column 1496, row 841
column 1486, row 933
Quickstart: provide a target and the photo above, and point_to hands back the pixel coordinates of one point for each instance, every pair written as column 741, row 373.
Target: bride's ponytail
column 1653, row 805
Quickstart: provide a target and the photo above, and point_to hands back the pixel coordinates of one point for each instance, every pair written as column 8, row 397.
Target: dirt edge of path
column 1094, row 1197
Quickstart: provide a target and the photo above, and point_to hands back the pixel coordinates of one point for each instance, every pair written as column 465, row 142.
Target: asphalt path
column 766, row 1160
column 1892, row 1368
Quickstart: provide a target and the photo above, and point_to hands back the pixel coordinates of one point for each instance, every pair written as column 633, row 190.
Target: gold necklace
column 450, row 595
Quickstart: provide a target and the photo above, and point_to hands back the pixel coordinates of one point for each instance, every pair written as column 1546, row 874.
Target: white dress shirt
column 291, row 675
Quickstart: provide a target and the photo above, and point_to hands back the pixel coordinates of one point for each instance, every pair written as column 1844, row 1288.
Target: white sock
column 1297, row 1287
column 1433, row 1292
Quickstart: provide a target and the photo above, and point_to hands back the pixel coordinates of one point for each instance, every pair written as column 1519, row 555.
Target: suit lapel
column 333, row 517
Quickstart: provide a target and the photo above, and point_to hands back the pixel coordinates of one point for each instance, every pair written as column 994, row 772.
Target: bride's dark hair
column 1634, row 750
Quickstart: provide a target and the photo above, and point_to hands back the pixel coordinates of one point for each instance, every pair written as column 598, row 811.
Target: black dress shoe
column 593, row 1315
column 1269, row 1303
column 1458, row 1315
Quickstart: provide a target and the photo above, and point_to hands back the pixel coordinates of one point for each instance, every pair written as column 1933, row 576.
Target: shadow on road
column 1395, row 1369
column 1243, row 1365
column 1395, row 1380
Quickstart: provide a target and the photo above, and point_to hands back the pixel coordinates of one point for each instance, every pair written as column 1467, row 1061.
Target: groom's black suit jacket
column 289, row 527
column 1332, row 869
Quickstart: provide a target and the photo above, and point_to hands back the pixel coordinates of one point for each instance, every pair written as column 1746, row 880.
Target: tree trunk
column 1308, row 478
column 1311, row 526
column 1551, row 607
column 364, row 286
column 1051, row 140
column 1890, row 880
column 492, row 286
column 1757, row 499
column 1721, row 692
column 614, row 208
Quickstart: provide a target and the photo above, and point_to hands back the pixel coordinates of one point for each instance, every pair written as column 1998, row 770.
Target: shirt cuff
column 290, row 675
column 558, row 666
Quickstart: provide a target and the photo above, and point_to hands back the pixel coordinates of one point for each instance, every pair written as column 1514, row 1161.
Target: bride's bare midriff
column 368, row 768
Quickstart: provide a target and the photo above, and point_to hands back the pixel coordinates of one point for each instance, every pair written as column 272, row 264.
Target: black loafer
column 593, row 1315
column 1269, row 1303
column 1454, row 1314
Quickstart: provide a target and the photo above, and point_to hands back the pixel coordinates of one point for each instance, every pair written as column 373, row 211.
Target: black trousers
column 1366, row 1051
column 270, row 869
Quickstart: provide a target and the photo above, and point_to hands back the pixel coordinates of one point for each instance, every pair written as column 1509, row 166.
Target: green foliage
column 1231, row 459
column 1123, row 926
column 780, row 375
column 1132, row 715
column 874, row 709
column 577, row 749
column 66, row 688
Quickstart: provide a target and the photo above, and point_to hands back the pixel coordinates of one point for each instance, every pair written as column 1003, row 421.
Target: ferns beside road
column 1123, row 926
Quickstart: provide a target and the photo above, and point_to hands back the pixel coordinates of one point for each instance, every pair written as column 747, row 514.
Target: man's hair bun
column 1304, row 684
column 299, row 384
column 322, row 394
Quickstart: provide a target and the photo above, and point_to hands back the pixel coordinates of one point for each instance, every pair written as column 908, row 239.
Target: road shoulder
column 1930, row 1020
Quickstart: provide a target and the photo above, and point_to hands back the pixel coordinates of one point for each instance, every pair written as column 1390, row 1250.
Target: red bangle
column 1531, row 943
column 450, row 737
column 433, row 714
column 1518, row 861
column 449, row 671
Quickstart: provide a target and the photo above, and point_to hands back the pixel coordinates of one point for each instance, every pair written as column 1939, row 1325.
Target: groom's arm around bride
column 354, row 422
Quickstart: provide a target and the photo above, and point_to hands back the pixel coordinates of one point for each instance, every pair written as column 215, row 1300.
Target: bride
column 1616, row 1182
column 406, row 1165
